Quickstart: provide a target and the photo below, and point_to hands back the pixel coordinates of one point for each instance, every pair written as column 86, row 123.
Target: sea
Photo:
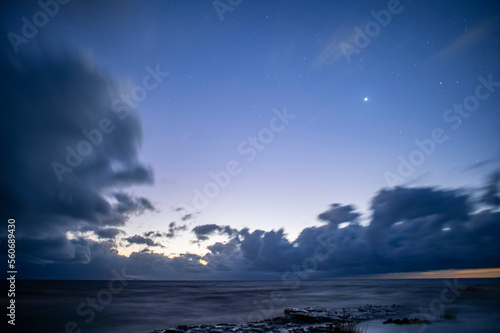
column 145, row 306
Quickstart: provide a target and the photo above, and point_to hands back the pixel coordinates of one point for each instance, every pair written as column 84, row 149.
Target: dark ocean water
column 142, row 306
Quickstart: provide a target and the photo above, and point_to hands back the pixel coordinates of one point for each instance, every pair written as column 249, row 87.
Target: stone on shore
column 306, row 320
column 406, row 321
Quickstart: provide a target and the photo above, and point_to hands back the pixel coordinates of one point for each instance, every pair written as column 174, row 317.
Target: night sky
column 248, row 139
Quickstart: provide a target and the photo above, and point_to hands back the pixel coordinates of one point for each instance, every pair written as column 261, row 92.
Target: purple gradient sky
column 227, row 76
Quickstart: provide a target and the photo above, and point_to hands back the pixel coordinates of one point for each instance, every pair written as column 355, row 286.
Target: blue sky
column 352, row 117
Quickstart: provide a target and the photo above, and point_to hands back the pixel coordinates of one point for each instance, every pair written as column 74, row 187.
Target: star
column 366, row 99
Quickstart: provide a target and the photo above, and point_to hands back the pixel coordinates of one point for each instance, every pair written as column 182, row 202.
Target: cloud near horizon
column 138, row 239
column 411, row 230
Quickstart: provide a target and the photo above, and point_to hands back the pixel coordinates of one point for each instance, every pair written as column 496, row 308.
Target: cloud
column 338, row 214
column 109, row 233
column 491, row 194
column 173, row 229
column 203, row 231
column 153, row 234
column 54, row 105
column 138, row 239
column 57, row 249
column 468, row 41
column 411, row 230
column 105, row 259
column 127, row 204
column 408, row 204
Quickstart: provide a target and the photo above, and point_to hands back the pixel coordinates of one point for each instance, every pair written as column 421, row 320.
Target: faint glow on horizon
column 480, row 273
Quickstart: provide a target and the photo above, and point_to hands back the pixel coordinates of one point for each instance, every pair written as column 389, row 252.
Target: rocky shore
column 313, row 320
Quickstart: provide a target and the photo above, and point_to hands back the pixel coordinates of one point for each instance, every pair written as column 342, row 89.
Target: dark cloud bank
column 60, row 171
column 50, row 101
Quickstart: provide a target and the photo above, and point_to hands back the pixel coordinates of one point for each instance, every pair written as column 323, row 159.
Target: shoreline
column 309, row 319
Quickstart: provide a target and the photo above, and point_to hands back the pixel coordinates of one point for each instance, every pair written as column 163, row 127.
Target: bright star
column 366, row 99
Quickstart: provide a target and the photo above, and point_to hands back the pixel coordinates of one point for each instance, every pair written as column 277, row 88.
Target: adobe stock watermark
column 292, row 279
column 222, row 6
column 363, row 37
column 122, row 108
column 436, row 306
column 249, row 149
column 87, row 309
column 30, row 28
column 454, row 116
